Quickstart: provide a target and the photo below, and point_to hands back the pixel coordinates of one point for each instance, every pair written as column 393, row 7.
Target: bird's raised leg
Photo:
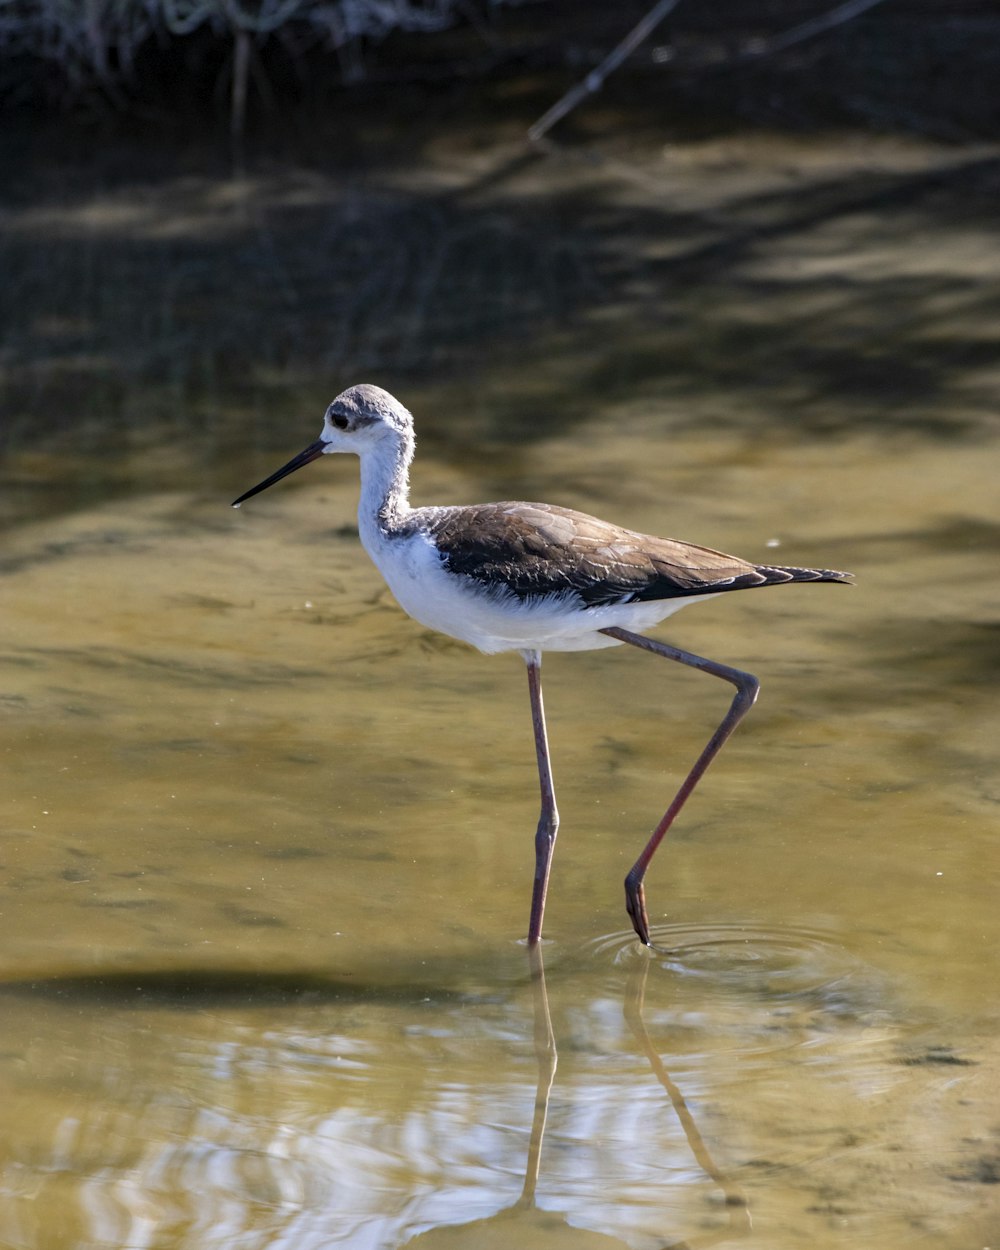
column 548, row 820
column 747, row 688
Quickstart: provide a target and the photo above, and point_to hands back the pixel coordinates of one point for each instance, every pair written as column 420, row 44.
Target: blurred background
column 727, row 273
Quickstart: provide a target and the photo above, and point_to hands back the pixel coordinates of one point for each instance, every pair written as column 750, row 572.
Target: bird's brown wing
column 539, row 549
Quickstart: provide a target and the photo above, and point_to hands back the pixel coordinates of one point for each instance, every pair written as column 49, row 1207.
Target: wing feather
column 535, row 549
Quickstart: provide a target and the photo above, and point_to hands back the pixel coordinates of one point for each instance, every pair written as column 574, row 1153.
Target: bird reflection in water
column 524, row 1223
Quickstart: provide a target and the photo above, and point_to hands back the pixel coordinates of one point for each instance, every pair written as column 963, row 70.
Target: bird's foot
column 635, row 905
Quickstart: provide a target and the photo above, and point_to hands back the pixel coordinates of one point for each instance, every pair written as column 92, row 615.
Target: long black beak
column 312, row 452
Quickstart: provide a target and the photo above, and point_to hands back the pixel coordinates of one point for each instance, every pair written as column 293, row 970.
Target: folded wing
column 538, row 549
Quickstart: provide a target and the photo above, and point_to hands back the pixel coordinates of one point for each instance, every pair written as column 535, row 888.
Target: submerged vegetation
column 911, row 64
column 108, row 47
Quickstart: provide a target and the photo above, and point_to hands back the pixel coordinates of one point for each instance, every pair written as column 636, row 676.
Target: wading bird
column 533, row 577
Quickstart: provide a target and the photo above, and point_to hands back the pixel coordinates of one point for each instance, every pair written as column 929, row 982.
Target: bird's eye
column 339, row 420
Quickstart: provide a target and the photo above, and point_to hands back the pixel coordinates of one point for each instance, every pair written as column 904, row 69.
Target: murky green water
column 267, row 844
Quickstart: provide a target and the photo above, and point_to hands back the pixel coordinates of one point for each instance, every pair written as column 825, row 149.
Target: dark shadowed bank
column 911, row 63
column 378, row 213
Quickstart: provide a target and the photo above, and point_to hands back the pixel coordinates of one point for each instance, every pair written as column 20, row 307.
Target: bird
column 531, row 578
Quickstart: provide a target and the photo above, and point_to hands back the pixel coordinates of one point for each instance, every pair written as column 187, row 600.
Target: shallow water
column 267, row 843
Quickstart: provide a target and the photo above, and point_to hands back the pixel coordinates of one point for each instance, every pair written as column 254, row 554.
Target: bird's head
column 358, row 420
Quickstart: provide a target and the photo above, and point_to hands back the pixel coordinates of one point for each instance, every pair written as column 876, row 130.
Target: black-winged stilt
column 533, row 577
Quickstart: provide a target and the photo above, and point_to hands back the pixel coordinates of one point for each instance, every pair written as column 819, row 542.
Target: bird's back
column 538, row 549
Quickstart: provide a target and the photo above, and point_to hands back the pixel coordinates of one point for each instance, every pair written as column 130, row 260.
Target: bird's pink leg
column 747, row 688
column 548, row 820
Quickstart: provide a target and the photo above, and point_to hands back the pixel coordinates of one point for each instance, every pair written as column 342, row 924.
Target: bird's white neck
column 385, row 488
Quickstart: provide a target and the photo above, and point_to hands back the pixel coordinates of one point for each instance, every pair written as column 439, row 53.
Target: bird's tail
column 775, row 574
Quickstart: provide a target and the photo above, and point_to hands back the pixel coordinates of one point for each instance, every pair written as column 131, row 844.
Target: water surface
column 267, row 843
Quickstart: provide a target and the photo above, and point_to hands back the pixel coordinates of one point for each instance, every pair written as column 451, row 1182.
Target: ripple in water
column 790, row 965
